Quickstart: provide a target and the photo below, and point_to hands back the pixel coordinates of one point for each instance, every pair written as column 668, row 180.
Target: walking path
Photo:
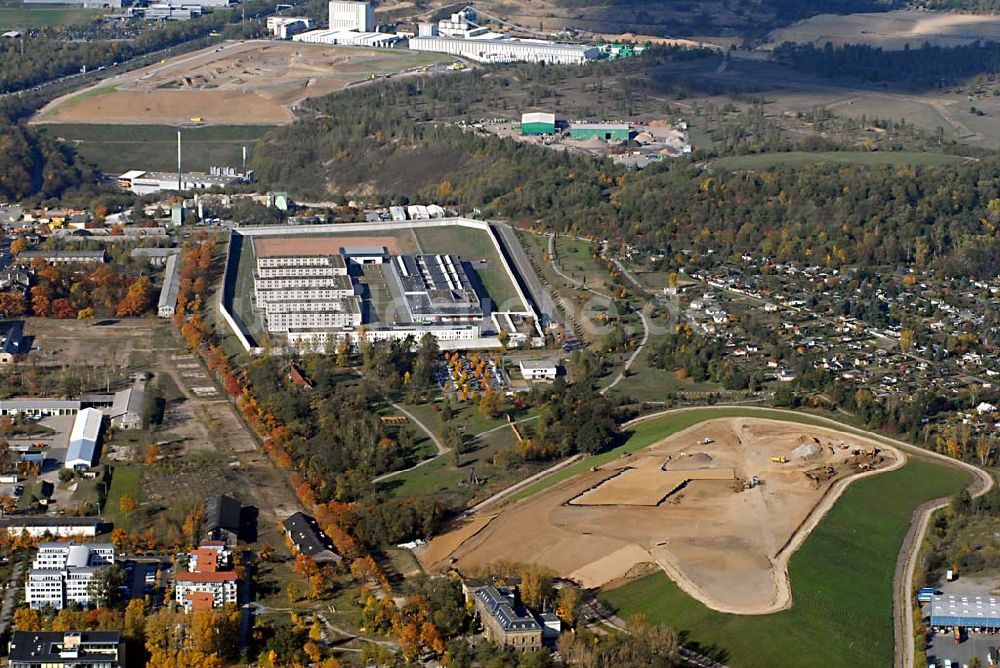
column 642, row 316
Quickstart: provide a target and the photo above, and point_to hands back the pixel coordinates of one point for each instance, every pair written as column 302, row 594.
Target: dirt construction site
column 253, row 82
column 720, row 507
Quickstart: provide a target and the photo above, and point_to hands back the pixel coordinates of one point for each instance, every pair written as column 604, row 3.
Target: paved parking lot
column 942, row 646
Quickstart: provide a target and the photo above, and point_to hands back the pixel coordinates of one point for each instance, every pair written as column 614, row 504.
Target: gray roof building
column 171, row 286
column 435, row 288
column 309, row 539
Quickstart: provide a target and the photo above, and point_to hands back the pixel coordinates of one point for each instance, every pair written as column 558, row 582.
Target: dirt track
column 725, row 547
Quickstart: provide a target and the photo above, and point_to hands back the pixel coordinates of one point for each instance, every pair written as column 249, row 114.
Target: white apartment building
column 335, row 314
column 275, row 261
column 206, row 590
column 62, row 573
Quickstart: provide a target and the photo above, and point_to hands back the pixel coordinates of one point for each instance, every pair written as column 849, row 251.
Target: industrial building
column 167, row 11
column 86, row 4
column 145, row 183
column 538, row 123
column 62, row 573
column 496, row 48
column 167, row 304
column 351, row 15
column 83, row 439
column 969, row 612
column 126, row 409
column 284, row 27
column 66, row 649
column 434, row 289
column 603, row 131
column 380, row 40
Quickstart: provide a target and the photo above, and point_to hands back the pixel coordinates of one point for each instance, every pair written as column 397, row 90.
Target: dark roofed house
column 229, row 520
column 69, row 649
column 305, row 534
column 12, row 343
column 505, row 621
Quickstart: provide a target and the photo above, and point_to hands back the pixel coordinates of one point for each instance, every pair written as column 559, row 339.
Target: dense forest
column 927, row 66
column 33, row 165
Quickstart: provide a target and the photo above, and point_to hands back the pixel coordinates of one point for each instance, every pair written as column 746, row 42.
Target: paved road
column 8, row 598
column 543, row 300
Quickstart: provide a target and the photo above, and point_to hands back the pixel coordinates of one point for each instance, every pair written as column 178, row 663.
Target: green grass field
column 799, row 158
column 472, row 245
column 125, row 479
column 23, row 18
column 114, row 149
column 841, row 583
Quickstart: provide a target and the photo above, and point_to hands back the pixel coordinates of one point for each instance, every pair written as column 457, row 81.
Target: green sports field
column 800, row 158
column 115, row 149
column 24, row 18
column 841, row 583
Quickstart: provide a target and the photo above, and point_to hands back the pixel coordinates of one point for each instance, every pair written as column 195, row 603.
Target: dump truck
column 779, row 460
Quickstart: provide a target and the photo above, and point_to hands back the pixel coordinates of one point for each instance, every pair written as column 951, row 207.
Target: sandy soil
column 726, row 546
column 237, row 83
column 891, row 30
column 320, row 245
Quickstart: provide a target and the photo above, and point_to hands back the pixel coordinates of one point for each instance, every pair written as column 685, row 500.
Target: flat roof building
column 61, row 574
column 83, row 439
column 351, row 15
column 506, row 50
column 55, row 527
column 66, row 649
column 965, row 611
column 538, row 370
column 434, row 288
column 145, row 183
column 36, row 407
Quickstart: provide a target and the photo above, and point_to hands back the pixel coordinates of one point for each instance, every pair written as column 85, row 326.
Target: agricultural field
column 719, row 506
column 154, row 147
column 798, row 159
column 841, row 581
column 237, row 83
column 20, row 17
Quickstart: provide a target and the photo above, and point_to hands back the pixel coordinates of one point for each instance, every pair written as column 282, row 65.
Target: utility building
column 538, row 123
column 82, row 452
column 974, row 612
column 604, row 131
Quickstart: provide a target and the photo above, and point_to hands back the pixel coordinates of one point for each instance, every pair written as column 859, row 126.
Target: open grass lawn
column 125, row 479
column 475, row 247
column 841, row 583
column 23, row 18
column 575, row 260
column 114, row 149
column 800, row 158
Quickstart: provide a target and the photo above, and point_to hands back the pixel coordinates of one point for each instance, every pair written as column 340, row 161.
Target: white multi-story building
column 334, row 314
column 350, row 15
column 62, row 573
column 197, row 591
column 283, row 27
column 280, row 261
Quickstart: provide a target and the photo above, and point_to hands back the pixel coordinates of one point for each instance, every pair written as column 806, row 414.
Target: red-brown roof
column 207, row 577
column 201, row 600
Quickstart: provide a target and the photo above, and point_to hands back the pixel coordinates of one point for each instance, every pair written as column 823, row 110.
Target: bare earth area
column 719, row 507
column 253, row 82
column 891, row 30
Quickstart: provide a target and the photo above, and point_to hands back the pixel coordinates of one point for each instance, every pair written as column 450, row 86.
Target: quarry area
column 719, row 507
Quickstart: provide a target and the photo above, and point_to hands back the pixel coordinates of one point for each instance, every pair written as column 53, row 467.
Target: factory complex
column 353, row 24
